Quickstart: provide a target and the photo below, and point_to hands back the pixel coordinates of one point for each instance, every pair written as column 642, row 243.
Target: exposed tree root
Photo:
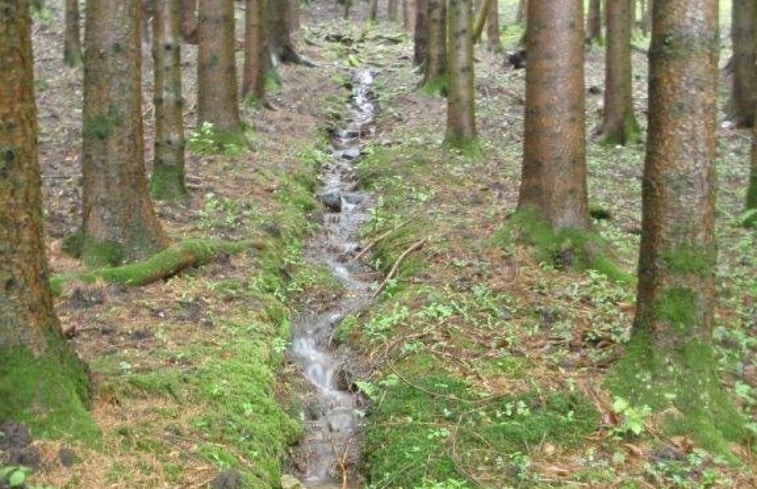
column 159, row 266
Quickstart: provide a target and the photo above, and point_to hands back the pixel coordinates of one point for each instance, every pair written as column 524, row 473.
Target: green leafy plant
column 14, row 475
column 632, row 417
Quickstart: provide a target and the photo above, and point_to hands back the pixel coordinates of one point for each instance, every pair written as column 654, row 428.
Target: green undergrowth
column 207, row 140
column 432, row 426
column 566, row 249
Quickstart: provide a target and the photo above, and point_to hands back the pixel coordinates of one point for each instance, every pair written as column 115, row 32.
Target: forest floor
column 483, row 359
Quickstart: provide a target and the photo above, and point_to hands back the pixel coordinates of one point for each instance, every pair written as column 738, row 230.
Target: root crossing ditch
column 330, row 446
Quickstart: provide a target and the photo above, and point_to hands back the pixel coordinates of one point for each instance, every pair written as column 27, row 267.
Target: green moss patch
column 566, row 249
column 47, row 393
column 681, row 385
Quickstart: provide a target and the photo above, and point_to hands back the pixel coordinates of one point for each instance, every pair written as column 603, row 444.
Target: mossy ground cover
column 489, row 361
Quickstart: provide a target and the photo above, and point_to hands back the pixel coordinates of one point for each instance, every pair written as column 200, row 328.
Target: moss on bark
column 48, row 392
column 162, row 265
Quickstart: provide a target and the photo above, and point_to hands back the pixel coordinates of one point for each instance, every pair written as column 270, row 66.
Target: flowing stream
column 329, row 445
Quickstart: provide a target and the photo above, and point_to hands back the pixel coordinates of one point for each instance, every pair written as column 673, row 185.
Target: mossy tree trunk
column 594, row 21
column 420, row 36
column 119, row 222
column 372, row 10
column 188, row 21
column 167, row 182
column 42, row 382
column 619, row 124
column 436, row 45
column 744, row 80
column 669, row 360
column 392, row 10
column 553, row 178
column 256, row 58
column 217, row 101
column 72, row 54
column 493, row 41
column 461, row 116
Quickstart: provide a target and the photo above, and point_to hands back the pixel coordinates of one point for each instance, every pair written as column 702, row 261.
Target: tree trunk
column 392, row 10
column 461, row 118
column 216, row 66
column 420, row 38
column 619, row 124
column 294, row 15
column 42, row 382
column 553, row 181
column 520, row 13
column 670, row 360
column 493, row 41
column 751, row 194
column 72, row 54
column 744, row 81
column 594, row 21
column 167, row 182
column 409, row 15
column 256, row 58
column 373, row 10
column 188, row 22
column 280, row 40
column 436, row 57
column 119, row 222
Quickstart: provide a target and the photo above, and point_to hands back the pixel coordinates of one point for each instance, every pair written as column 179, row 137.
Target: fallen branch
column 160, row 266
column 373, row 243
column 396, row 265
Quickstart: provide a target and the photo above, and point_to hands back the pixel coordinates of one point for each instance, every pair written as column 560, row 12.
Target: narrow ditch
column 329, row 447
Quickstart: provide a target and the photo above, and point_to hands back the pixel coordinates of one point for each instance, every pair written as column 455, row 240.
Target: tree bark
column 594, row 21
column 256, row 56
column 280, row 40
column 409, row 15
column 436, row 57
column 520, row 13
column 420, row 37
column 493, row 41
column 119, row 222
column 553, row 181
column 669, row 360
column 392, row 9
column 216, row 66
column 744, row 81
column 188, row 22
column 461, row 118
column 373, row 10
column 751, row 194
column 72, row 54
column 167, row 181
column 42, row 382
column 619, row 124
column 294, row 15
